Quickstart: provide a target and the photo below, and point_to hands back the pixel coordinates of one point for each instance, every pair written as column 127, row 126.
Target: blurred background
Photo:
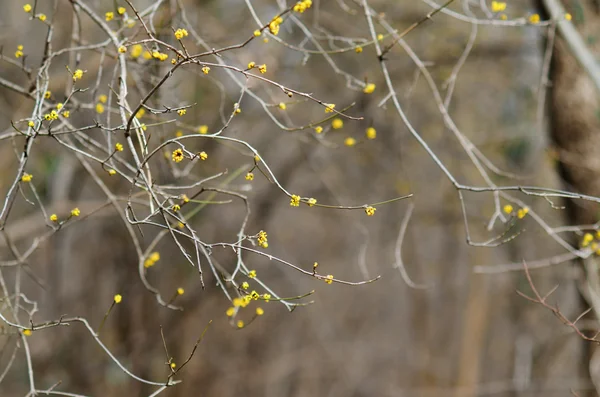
column 451, row 325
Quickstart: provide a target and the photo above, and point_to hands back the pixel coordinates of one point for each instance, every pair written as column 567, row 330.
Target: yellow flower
column 147, row 55
column 27, row 8
column 257, row 33
column 358, row 49
column 568, row 16
column 249, row 176
column 329, row 279
column 312, row 201
column 66, row 114
column 47, row 94
column 337, row 123
column 256, row 158
column 205, row 69
column 318, row 129
column 282, row 106
column 178, row 133
column 251, row 65
column 27, row 332
column 534, row 19
column 262, row 239
column 369, row 88
column 177, row 155
column 152, row 259
column 203, row 129
column 370, row 211
column 180, row 291
column 180, row 34
column 371, row 133
column 118, row 298
column 181, row 112
column 173, row 365
column 230, row 312
column 259, row 311
column 329, row 107
column 349, row 141
column 176, row 207
column 136, row 50
column 240, row 324
column 262, row 68
column 252, row 273
column 295, row 201
column 31, row 124
column 77, row 75
column 118, row 147
column 19, row 52
column 99, row 108
column 42, row 17
column 498, row 6
column 522, row 212
column 245, row 285
column 379, row 37
column 274, row 28
column 203, row 156
column 109, row 16
column 75, row 212
column 121, row 10
column 266, row 297
column 185, row 198
column 122, row 49
column 140, row 113
column 111, row 172
column 53, row 217
column 59, row 106
column 26, row 177
column 507, row 209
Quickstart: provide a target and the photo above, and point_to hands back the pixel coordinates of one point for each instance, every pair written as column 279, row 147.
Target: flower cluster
column 152, row 259
column 262, row 239
column 177, row 155
column 274, row 25
column 498, row 6
column 180, row 34
column 295, row 200
column 302, row 6
column 521, row 212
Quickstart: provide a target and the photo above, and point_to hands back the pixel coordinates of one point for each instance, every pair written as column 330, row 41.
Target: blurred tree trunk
column 575, row 130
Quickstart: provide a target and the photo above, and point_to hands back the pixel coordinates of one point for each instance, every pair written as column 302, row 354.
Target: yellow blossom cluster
column 302, row 6
column 521, row 212
column 498, row 6
column 177, row 155
column 152, row 259
column 274, row 25
column 180, row 34
column 161, row 56
column 262, row 239
column 295, row 200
